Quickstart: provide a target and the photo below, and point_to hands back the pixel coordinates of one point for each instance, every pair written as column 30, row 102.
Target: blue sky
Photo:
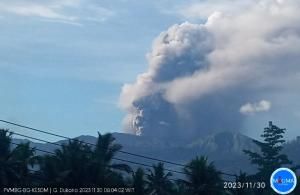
column 63, row 63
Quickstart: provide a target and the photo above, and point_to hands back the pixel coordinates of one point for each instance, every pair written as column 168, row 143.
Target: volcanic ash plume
column 200, row 75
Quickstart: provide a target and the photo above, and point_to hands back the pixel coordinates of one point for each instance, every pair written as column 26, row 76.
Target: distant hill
column 225, row 149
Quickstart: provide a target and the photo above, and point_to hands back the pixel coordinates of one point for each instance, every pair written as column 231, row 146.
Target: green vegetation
column 77, row 164
column 14, row 164
column 270, row 157
column 202, row 177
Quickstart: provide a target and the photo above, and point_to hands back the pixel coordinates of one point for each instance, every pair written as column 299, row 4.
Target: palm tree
column 202, row 177
column 243, row 178
column 103, row 170
column 8, row 172
column 77, row 164
column 158, row 181
column 24, row 156
column 14, row 163
column 139, row 182
column 49, row 169
column 69, row 165
column 180, row 188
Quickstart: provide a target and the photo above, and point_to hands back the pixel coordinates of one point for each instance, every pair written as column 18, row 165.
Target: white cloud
column 204, row 9
column 64, row 11
column 37, row 10
column 251, row 108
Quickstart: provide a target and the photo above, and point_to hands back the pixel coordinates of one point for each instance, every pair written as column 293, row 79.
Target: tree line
column 76, row 164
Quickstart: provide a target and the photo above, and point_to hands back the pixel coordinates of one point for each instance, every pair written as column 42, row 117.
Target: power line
column 91, row 144
column 115, row 158
column 48, row 152
column 53, row 153
column 65, row 137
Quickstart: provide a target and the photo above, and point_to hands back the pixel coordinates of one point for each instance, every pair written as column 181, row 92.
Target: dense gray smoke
column 204, row 78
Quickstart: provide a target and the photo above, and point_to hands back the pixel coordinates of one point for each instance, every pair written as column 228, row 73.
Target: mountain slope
column 225, row 149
